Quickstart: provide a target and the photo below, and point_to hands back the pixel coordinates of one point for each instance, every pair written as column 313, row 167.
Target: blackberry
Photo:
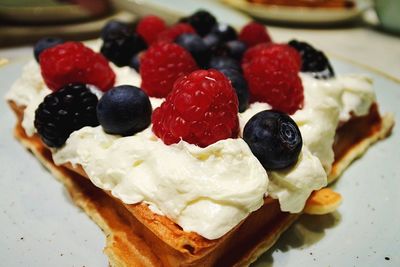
column 202, row 21
column 121, row 45
column 64, row 111
column 313, row 60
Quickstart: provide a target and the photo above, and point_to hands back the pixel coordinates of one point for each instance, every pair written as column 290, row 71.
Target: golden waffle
column 138, row 237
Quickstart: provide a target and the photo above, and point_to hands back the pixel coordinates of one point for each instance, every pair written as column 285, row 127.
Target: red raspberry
column 149, row 27
column 170, row 34
column 161, row 65
column 72, row 62
column 254, row 33
column 272, row 81
column 202, row 109
column 282, row 51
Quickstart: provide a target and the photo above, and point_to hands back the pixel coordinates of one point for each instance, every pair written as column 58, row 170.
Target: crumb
column 22, row 238
column 61, row 254
column 387, row 258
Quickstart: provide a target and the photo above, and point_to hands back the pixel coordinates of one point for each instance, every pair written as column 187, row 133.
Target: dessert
column 188, row 190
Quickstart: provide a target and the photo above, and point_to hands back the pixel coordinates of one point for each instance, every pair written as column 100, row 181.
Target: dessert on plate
column 192, row 144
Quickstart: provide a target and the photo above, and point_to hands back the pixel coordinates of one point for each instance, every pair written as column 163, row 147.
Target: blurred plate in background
column 301, row 15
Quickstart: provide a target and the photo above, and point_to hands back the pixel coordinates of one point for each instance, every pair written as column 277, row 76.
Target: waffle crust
column 138, row 237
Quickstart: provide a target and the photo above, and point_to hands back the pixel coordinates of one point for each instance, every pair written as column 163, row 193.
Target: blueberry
column 195, row 45
column 313, row 61
column 135, row 62
column 235, row 49
column 112, row 27
column 45, row 43
column 124, row 110
column 240, row 85
column 202, row 21
column 120, row 46
column 224, row 31
column 222, row 62
column 274, row 139
column 212, row 41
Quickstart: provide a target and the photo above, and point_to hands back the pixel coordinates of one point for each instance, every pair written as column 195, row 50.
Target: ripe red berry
column 72, row 62
column 202, row 109
column 170, row 34
column 273, row 81
column 254, row 33
column 161, row 65
column 149, row 27
column 283, row 52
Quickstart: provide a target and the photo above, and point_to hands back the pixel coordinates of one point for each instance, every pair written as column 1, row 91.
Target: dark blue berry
column 240, row 85
column 120, row 46
column 274, row 139
column 235, row 49
column 222, row 62
column 313, row 60
column 224, row 31
column 194, row 44
column 113, row 26
column 135, row 62
column 202, row 21
column 45, row 43
column 124, row 110
column 64, row 111
column 212, row 41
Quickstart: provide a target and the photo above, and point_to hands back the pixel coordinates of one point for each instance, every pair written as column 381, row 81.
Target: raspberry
column 161, row 65
column 202, row 109
column 149, row 27
column 64, row 111
column 254, row 33
column 170, row 34
column 272, row 81
column 282, row 51
column 72, row 62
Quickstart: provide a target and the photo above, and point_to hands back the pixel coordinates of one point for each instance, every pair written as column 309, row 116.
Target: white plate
column 304, row 15
column 41, row 227
column 172, row 10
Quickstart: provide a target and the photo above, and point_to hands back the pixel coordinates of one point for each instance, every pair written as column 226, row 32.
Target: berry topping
column 276, row 82
column 212, row 42
column 202, row 21
column 220, row 63
column 314, row 61
column 195, row 45
column 135, row 61
column 224, row 31
column 161, row 65
column 274, row 139
column 283, row 52
column 235, row 49
column 170, row 34
column 201, row 109
column 120, row 46
column 124, row 110
column 112, row 27
column 254, row 33
column 240, row 85
column 64, row 111
column 45, row 43
column 72, row 62
column 149, row 27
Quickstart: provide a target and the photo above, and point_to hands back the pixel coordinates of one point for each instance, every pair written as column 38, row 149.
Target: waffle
column 138, row 237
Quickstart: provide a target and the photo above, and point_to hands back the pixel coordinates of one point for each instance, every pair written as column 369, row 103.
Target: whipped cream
column 205, row 190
